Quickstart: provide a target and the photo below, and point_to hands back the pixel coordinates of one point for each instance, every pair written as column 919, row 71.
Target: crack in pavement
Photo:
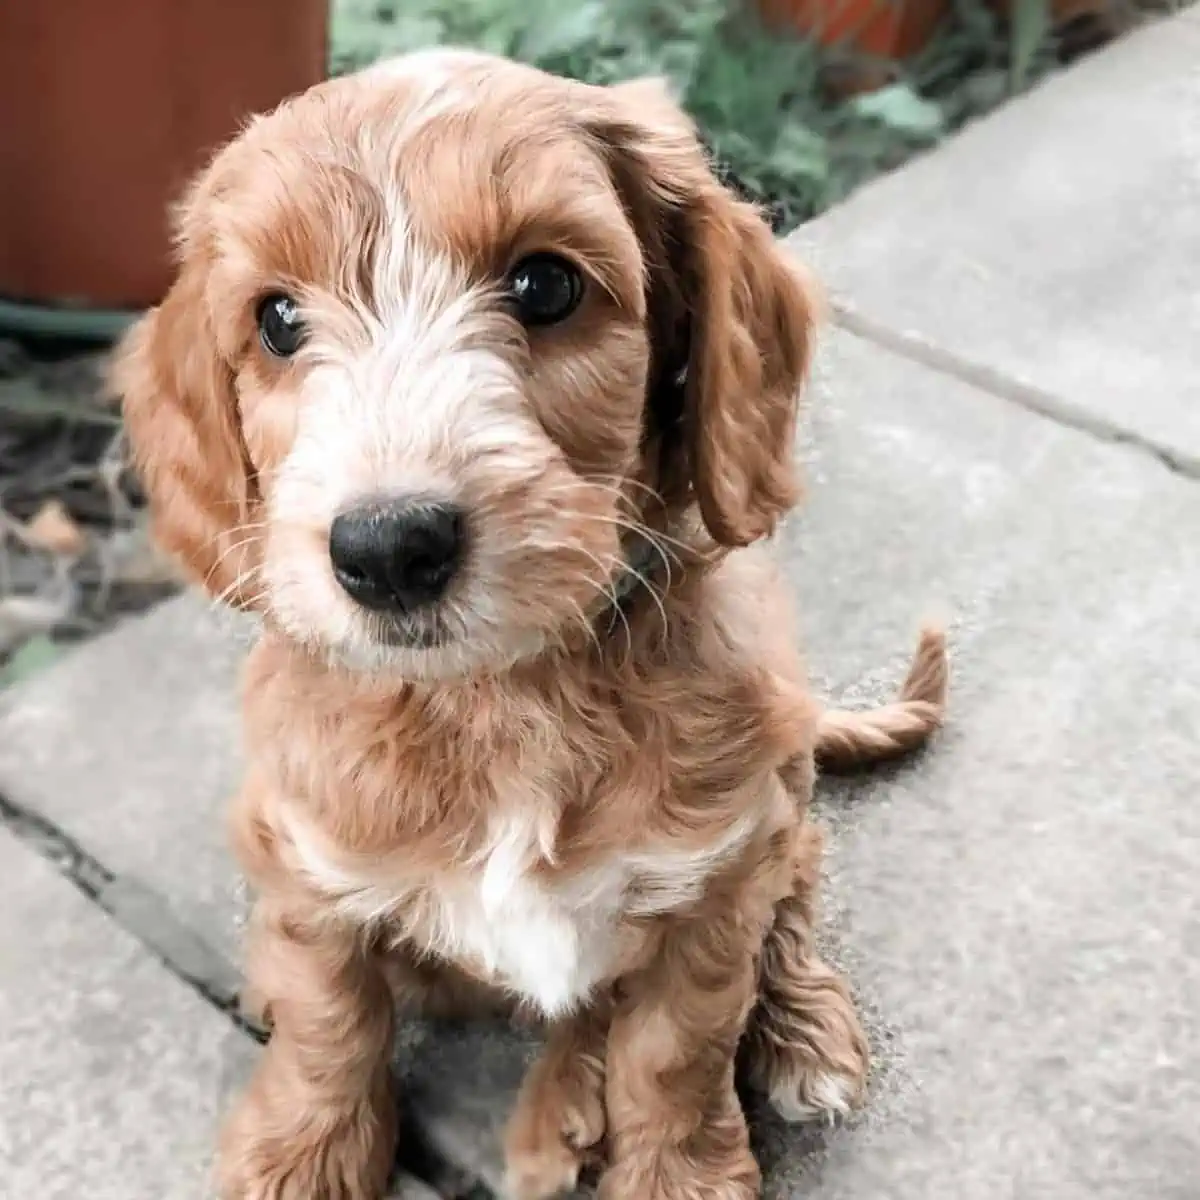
column 1037, row 400
column 147, row 917
column 138, row 910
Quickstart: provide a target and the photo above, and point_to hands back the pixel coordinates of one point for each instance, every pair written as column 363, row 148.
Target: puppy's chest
column 538, row 888
column 548, row 937
column 511, row 915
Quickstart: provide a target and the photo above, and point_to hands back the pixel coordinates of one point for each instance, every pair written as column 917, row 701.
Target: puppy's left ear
column 718, row 279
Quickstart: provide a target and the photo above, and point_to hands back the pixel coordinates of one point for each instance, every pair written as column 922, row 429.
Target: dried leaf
column 54, row 529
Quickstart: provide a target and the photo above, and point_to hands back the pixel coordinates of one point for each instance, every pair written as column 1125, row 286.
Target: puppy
column 475, row 384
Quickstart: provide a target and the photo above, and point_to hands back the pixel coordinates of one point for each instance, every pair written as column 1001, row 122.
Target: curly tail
column 850, row 739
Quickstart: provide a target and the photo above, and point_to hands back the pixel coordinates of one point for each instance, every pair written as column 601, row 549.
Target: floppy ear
column 721, row 287
column 181, row 417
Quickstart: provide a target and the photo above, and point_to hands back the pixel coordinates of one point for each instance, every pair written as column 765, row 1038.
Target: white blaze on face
column 418, row 387
column 435, row 81
column 408, row 403
column 416, row 395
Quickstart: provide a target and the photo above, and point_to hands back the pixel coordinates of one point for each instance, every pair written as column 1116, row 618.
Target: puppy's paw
column 555, row 1129
column 803, row 1091
column 805, row 1048
column 306, row 1154
column 680, row 1177
column 542, row 1173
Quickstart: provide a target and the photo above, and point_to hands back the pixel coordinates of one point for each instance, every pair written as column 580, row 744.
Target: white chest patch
column 550, row 939
column 549, row 944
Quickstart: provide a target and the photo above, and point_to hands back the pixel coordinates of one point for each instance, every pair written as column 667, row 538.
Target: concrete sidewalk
column 1004, row 429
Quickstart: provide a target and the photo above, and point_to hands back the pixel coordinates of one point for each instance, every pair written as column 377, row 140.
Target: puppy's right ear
column 182, row 421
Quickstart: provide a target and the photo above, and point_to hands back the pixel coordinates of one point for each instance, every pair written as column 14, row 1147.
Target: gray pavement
column 130, row 749
column 112, row 1071
column 1018, row 908
column 1052, row 246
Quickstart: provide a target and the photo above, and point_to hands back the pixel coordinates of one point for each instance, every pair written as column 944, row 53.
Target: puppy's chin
column 485, row 632
column 426, row 655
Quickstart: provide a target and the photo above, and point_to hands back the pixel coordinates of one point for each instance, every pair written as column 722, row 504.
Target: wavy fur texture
column 502, row 803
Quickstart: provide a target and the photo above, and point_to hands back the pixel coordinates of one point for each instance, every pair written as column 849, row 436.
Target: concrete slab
column 1017, row 909
column 1054, row 242
column 112, row 1073
column 132, row 749
column 1020, row 905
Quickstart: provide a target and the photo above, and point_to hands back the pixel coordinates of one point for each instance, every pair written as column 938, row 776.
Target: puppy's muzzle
column 397, row 556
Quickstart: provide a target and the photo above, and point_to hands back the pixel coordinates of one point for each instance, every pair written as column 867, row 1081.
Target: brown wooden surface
column 106, row 108
column 891, row 29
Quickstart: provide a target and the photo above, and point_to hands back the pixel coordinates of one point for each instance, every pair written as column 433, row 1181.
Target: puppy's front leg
column 559, row 1115
column 676, row 1127
column 318, row 1120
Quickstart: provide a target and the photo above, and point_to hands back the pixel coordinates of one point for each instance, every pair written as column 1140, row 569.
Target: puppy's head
column 443, row 332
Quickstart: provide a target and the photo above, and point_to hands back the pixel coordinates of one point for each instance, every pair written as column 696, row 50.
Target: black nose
column 397, row 555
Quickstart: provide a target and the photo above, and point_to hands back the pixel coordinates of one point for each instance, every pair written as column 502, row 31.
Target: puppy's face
column 418, row 375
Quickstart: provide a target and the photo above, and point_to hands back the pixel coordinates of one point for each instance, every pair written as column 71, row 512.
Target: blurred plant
column 761, row 99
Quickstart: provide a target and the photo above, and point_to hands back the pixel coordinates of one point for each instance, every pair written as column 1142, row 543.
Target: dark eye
column 279, row 326
column 545, row 288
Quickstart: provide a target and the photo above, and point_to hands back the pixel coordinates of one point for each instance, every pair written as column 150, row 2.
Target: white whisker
column 240, row 544
column 242, row 580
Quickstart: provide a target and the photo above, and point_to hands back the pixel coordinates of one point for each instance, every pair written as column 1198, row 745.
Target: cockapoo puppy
column 477, row 386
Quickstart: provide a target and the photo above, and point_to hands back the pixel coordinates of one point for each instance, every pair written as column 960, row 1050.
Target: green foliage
column 760, row 98
column 33, row 656
column 1030, row 29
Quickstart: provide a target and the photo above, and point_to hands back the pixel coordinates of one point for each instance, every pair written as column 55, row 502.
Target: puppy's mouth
column 427, row 632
